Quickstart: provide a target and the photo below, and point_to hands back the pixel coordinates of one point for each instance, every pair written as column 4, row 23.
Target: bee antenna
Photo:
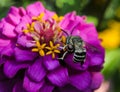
column 65, row 32
column 73, row 29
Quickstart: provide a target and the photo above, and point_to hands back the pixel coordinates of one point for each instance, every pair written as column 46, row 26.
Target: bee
column 75, row 45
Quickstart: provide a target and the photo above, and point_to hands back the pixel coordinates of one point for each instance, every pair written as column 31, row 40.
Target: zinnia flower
column 31, row 42
column 112, row 34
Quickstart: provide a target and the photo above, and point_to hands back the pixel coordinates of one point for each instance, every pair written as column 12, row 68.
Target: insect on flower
column 75, row 45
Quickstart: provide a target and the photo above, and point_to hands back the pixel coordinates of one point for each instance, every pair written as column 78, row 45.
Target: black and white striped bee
column 75, row 45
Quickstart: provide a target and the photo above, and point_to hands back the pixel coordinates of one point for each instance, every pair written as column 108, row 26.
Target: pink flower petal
column 11, row 68
column 22, row 25
column 12, row 19
column 50, row 64
column 8, row 30
column 3, row 43
column 26, row 19
column 36, row 72
column 2, row 21
column 22, row 11
column 58, row 77
column 31, row 86
column 7, row 50
column 48, row 14
column 77, row 66
column 18, row 87
column 35, row 9
column 37, row 26
column 88, row 33
column 14, row 11
column 98, row 58
column 97, row 79
column 81, row 81
column 70, row 21
column 24, row 55
column 47, row 88
column 24, row 40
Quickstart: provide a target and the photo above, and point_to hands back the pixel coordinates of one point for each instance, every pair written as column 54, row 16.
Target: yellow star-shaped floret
column 56, row 18
column 30, row 28
column 40, row 48
column 39, row 18
column 52, row 49
column 63, row 40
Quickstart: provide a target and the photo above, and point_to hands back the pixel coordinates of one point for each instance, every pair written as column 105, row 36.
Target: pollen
column 30, row 28
column 52, row 49
column 45, row 34
column 58, row 19
column 39, row 18
column 39, row 48
column 63, row 39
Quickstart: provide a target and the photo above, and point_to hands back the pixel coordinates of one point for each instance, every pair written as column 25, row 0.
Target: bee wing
column 91, row 48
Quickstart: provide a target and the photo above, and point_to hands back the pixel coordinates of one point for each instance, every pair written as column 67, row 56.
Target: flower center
column 46, row 34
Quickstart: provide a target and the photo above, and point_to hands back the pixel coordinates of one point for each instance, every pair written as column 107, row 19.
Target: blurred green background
column 105, row 14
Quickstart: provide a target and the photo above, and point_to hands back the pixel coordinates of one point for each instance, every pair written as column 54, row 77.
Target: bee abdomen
column 78, row 60
column 80, row 53
column 79, row 56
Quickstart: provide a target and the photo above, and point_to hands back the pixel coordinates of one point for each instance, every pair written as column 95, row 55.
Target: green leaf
column 4, row 3
column 92, row 19
column 112, row 62
column 60, row 3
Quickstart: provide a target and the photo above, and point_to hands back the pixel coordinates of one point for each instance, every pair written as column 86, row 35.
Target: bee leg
column 61, row 58
column 63, row 48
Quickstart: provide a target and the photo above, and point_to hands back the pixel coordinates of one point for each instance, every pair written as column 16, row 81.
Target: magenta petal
column 71, row 25
column 22, row 11
column 19, row 28
column 24, row 41
column 22, row 25
column 7, row 50
column 69, row 61
column 88, row 33
column 48, row 14
column 8, row 30
column 12, row 19
column 96, row 60
column 71, row 15
column 24, row 55
column 18, row 87
column 64, row 23
column 14, row 11
column 36, row 72
column 26, row 19
column 3, row 43
column 81, row 81
column 70, row 21
column 97, row 79
column 47, row 88
column 58, row 76
column 37, row 26
column 35, row 9
column 31, row 86
column 11, row 68
column 50, row 63
column 2, row 21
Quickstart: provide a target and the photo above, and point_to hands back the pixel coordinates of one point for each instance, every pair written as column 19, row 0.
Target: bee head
column 70, row 48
